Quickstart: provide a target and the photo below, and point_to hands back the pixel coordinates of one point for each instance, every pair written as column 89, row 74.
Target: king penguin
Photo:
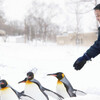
column 64, row 87
column 34, row 89
column 8, row 93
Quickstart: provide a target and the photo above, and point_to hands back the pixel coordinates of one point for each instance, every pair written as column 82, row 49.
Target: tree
column 38, row 22
column 14, row 28
column 2, row 20
column 80, row 9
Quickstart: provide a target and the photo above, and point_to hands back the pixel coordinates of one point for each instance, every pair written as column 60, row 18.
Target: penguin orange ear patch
column 63, row 75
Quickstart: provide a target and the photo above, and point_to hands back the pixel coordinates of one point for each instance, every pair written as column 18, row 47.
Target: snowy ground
column 16, row 59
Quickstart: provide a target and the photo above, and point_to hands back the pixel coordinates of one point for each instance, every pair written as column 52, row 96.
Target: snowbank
column 16, row 59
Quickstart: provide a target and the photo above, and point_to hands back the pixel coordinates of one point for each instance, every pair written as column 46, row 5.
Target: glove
column 81, row 61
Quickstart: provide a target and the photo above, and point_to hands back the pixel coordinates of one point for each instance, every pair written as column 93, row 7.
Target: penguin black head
column 3, row 83
column 58, row 75
column 30, row 75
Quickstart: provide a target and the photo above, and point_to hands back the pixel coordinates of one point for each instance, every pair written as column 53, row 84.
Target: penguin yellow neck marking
column 59, row 82
column 28, row 82
column 2, row 89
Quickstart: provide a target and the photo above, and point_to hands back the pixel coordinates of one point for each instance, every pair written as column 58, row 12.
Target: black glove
column 80, row 62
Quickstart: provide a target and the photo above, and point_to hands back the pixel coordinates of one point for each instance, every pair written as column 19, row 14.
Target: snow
column 16, row 59
column 87, row 97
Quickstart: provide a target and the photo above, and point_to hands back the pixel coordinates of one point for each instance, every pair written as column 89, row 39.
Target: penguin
column 34, row 89
column 8, row 93
column 64, row 87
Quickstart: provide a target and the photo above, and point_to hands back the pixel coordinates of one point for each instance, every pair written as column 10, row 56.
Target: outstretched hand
column 81, row 61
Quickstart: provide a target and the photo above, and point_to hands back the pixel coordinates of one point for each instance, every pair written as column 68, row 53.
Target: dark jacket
column 94, row 50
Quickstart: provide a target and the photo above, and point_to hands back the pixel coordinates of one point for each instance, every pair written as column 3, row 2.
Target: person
column 94, row 50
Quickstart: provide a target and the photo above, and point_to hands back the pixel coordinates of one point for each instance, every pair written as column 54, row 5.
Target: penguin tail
column 79, row 92
column 53, row 94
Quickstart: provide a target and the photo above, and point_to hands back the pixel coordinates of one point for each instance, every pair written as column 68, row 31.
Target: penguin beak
column 28, row 77
column 23, row 81
column 0, row 82
column 52, row 75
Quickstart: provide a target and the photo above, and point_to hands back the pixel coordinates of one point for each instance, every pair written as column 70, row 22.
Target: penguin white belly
column 60, row 89
column 8, row 94
column 34, row 91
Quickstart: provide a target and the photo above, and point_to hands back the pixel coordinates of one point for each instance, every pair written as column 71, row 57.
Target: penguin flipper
column 20, row 94
column 52, row 93
column 79, row 92
column 40, row 87
column 24, row 95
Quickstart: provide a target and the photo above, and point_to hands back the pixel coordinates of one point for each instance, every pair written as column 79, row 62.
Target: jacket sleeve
column 94, row 50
